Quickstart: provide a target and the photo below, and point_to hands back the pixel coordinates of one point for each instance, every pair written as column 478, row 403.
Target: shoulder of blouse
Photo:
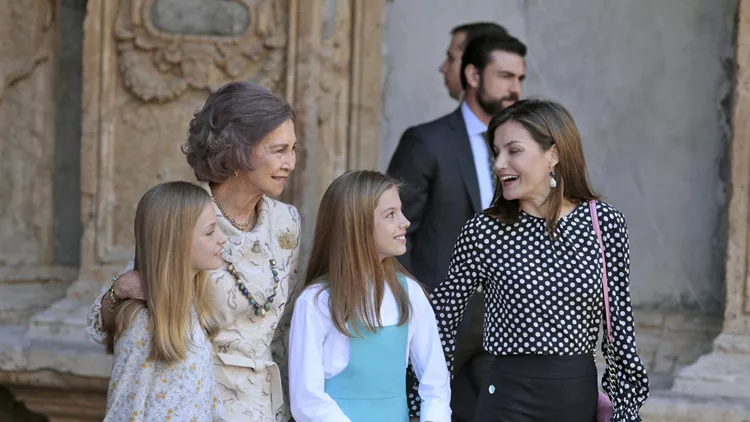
column 609, row 216
column 283, row 214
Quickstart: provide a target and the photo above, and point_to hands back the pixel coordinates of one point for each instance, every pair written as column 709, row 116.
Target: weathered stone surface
column 27, row 119
column 717, row 375
column 726, row 371
column 200, row 17
column 337, row 94
column 670, row 340
column 670, row 407
column 61, row 397
column 20, row 300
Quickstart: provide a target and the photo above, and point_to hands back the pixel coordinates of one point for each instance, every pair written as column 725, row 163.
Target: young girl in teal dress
column 361, row 319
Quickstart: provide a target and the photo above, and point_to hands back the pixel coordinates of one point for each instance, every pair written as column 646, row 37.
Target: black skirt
column 537, row 388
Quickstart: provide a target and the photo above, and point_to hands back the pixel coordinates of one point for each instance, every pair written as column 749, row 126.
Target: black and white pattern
column 544, row 296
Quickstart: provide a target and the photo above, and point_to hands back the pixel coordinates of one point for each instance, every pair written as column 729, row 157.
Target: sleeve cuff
column 626, row 415
column 435, row 411
column 94, row 318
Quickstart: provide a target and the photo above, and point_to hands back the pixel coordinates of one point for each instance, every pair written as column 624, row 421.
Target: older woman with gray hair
column 241, row 146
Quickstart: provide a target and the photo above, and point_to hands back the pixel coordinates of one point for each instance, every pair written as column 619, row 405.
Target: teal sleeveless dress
column 372, row 387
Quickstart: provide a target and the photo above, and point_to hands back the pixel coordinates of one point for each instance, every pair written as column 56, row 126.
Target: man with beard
column 445, row 166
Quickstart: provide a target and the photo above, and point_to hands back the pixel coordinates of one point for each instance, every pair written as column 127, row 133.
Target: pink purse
column 604, row 404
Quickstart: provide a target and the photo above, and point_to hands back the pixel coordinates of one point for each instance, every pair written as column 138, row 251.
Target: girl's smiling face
column 390, row 225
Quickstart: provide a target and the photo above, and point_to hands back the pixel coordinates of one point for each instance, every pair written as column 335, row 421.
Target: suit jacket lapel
column 464, row 157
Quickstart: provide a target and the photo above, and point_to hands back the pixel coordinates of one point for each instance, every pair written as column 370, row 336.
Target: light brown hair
column 548, row 123
column 164, row 223
column 344, row 256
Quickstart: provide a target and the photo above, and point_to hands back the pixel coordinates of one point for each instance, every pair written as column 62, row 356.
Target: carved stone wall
column 144, row 86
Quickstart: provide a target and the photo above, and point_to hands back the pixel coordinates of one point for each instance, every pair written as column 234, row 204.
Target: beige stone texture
column 336, row 80
column 670, row 340
column 27, row 142
column 60, row 397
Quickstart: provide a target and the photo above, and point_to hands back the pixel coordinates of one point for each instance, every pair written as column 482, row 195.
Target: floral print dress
column 142, row 389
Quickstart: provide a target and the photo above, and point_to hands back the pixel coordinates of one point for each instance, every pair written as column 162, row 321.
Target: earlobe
column 472, row 76
column 553, row 157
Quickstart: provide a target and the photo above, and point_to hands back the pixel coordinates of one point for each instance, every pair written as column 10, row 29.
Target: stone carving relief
column 26, row 33
column 159, row 66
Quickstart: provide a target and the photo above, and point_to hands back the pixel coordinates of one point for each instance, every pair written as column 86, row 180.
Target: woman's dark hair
column 230, row 124
column 549, row 124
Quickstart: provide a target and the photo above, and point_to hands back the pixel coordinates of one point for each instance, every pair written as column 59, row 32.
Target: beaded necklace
column 260, row 310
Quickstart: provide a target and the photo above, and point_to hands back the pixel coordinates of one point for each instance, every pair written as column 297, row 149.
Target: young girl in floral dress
column 162, row 349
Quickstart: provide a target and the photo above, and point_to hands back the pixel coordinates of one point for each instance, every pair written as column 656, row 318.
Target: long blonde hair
column 164, row 223
column 345, row 257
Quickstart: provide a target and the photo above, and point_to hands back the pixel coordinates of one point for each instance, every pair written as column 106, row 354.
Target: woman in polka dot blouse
column 536, row 255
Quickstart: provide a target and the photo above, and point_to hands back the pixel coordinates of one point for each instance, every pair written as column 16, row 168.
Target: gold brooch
column 287, row 239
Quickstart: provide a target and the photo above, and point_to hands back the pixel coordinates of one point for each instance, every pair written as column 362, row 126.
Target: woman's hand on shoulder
column 129, row 286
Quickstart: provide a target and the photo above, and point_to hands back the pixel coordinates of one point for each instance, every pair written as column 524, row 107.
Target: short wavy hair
column 230, row 124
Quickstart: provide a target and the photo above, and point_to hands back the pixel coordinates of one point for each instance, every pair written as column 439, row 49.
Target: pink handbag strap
column 605, row 287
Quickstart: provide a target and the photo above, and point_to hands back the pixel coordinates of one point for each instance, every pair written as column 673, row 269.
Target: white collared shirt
column 475, row 128
column 318, row 351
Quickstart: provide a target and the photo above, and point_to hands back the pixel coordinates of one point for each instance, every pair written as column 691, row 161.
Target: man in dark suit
column 445, row 165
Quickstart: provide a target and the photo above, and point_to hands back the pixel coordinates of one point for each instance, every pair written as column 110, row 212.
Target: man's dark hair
column 475, row 29
column 479, row 50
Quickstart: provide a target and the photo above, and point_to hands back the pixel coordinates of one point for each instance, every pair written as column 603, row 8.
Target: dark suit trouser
column 470, row 361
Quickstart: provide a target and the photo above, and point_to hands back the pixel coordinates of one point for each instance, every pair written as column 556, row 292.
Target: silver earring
column 552, row 181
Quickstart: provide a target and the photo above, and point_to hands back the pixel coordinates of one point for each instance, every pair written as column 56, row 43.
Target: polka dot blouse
column 544, row 296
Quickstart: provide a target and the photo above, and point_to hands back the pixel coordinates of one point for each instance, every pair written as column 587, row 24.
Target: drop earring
column 552, row 181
